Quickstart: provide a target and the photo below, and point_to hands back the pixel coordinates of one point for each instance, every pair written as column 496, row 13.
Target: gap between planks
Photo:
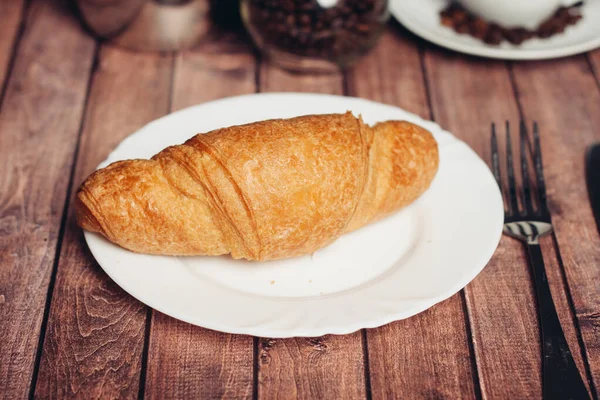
column 440, row 362
column 472, row 81
column 187, row 360
column 150, row 311
column 463, row 296
column 346, row 89
column 39, row 228
column 567, row 128
column 330, row 366
column 593, row 59
column 16, row 28
column 95, row 332
column 563, row 275
column 61, row 232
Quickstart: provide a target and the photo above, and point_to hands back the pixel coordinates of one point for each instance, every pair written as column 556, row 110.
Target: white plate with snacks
column 423, row 19
column 383, row 272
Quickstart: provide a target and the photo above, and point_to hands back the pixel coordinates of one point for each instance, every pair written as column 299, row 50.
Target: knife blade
column 593, row 180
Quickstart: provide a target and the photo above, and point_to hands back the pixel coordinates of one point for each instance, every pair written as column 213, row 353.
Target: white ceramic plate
column 383, row 272
column 422, row 18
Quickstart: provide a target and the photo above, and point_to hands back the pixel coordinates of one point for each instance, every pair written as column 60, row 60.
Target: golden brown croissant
column 262, row 191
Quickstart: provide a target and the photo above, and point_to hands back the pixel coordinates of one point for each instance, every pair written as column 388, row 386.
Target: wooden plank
column 95, row 336
column 215, row 70
column 563, row 97
column 12, row 16
column 329, row 367
column 277, row 80
column 517, row 339
column 426, row 356
column 501, row 296
column 39, row 125
column 392, row 74
column 594, row 58
column 501, row 302
column 186, row 361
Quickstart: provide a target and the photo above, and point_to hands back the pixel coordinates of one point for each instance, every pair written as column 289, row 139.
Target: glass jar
column 314, row 35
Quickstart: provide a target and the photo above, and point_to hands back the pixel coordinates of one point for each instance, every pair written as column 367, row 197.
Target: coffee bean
column 448, row 21
column 516, row 35
column 350, row 21
column 460, row 17
column 494, row 35
column 288, row 5
column 462, row 21
column 329, row 14
column 463, row 28
column 307, row 6
column 479, row 28
column 303, row 27
column 362, row 28
column 304, row 19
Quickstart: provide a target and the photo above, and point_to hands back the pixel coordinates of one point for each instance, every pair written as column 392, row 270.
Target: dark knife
column 593, row 180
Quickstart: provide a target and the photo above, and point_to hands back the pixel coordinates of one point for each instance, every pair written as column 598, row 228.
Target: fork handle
column 560, row 376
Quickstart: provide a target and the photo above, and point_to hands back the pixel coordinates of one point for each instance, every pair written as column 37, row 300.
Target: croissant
column 262, row 191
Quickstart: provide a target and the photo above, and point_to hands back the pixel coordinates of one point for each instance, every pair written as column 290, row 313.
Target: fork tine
column 512, row 187
column 495, row 161
column 539, row 170
column 527, row 202
column 496, row 164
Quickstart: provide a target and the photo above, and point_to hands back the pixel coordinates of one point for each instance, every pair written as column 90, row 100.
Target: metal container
column 147, row 25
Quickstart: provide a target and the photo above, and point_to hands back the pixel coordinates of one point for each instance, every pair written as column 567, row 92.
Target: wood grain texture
column 500, row 300
column 212, row 71
column 426, row 356
column 392, row 74
column 329, row 367
column 563, row 97
column 186, row 361
column 467, row 95
column 594, row 59
column 39, row 125
column 11, row 12
column 273, row 79
column 189, row 362
column 95, row 336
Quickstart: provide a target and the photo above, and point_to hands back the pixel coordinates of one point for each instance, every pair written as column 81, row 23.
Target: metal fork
column 560, row 376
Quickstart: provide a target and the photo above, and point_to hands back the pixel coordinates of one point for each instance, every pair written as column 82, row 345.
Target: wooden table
column 66, row 330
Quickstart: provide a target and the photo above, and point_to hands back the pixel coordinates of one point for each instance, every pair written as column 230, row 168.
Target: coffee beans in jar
column 315, row 35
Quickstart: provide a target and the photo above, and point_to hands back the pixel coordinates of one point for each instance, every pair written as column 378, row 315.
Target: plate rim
column 516, row 54
column 268, row 330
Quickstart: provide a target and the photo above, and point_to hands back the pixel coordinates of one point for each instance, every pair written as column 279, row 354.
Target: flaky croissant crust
column 267, row 190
